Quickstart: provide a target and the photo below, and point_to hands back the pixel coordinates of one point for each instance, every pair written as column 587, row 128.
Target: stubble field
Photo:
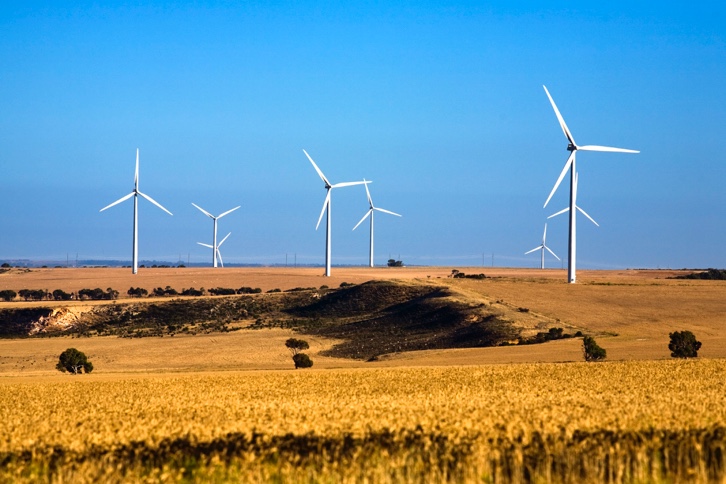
column 225, row 407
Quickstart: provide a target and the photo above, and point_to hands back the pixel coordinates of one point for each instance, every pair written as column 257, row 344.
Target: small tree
column 593, row 351
column 302, row 361
column 73, row 361
column 7, row 295
column 683, row 344
column 296, row 345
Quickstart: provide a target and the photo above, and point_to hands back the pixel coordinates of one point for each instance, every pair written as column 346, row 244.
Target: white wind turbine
column 573, row 148
column 370, row 213
column 214, row 247
column 135, row 194
column 542, row 247
column 567, row 209
column 326, row 206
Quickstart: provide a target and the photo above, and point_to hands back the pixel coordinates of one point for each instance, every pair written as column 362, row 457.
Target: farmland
column 227, row 405
column 622, row 422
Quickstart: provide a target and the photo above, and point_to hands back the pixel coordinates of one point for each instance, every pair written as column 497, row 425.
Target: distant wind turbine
column 135, row 194
column 214, row 247
column 326, row 207
column 542, row 247
column 370, row 213
column 573, row 148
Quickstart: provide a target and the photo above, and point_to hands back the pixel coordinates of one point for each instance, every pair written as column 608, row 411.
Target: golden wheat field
column 229, row 407
column 658, row 421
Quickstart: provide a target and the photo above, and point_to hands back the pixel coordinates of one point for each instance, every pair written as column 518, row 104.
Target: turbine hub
column 571, row 147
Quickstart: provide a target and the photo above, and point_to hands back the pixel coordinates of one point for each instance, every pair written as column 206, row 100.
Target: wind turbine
column 326, row 206
column 215, row 249
column 543, row 246
column 573, row 148
column 370, row 213
column 214, row 239
column 135, row 194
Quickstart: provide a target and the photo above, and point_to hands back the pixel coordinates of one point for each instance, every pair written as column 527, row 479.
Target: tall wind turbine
column 543, row 246
column 214, row 237
column 215, row 249
column 135, row 194
column 370, row 213
column 326, row 206
column 573, row 148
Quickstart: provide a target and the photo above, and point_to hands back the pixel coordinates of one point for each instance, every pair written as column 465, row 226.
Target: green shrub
column 302, row 361
column 7, row 295
column 74, row 361
column 593, row 351
column 222, row 291
column 683, row 344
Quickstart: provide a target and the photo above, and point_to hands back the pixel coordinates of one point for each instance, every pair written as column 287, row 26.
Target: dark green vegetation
column 710, row 274
column 372, row 319
column 658, row 455
column 74, row 362
column 592, row 351
column 296, row 346
column 683, row 344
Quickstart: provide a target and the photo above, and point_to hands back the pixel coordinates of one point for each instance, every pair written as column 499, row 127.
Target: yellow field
column 658, row 421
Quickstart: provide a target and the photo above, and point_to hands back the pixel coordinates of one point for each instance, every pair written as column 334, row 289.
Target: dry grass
column 618, row 422
column 641, row 307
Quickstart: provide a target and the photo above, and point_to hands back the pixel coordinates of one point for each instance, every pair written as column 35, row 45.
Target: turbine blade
column 205, row 245
column 562, row 175
column 387, row 211
column 606, row 148
column 136, row 173
column 560, row 119
column 219, row 254
column 536, row 248
column 229, row 211
column 586, row 215
column 122, row 199
column 225, row 238
column 368, row 194
column 364, row 217
column 544, row 235
column 320, row 173
column 550, row 251
column 349, row 184
column 154, row 202
column 567, row 209
column 203, row 211
column 325, row 205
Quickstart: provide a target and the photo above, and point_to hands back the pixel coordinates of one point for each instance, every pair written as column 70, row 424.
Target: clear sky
column 439, row 103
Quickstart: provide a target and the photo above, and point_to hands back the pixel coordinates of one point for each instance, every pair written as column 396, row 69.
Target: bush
column 99, row 293
column 7, row 295
column 248, row 290
column 222, row 291
column 61, row 295
column 168, row 291
column 593, row 352
column 136, row 292
column 302, row 361
column 193, row 292
column 683, row 344
column 274, row 290
column 73, row 361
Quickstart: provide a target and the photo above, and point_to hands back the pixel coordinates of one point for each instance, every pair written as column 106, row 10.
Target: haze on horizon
column 440, row 105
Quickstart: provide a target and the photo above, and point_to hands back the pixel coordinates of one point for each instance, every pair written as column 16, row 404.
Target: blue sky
column 439, row 103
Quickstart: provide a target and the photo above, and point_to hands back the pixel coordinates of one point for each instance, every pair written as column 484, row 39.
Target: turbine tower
column 573, row 148
column 326, row 207
column 214, row 247
column 370, row 213
column 135, row 194
column 543, row 246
